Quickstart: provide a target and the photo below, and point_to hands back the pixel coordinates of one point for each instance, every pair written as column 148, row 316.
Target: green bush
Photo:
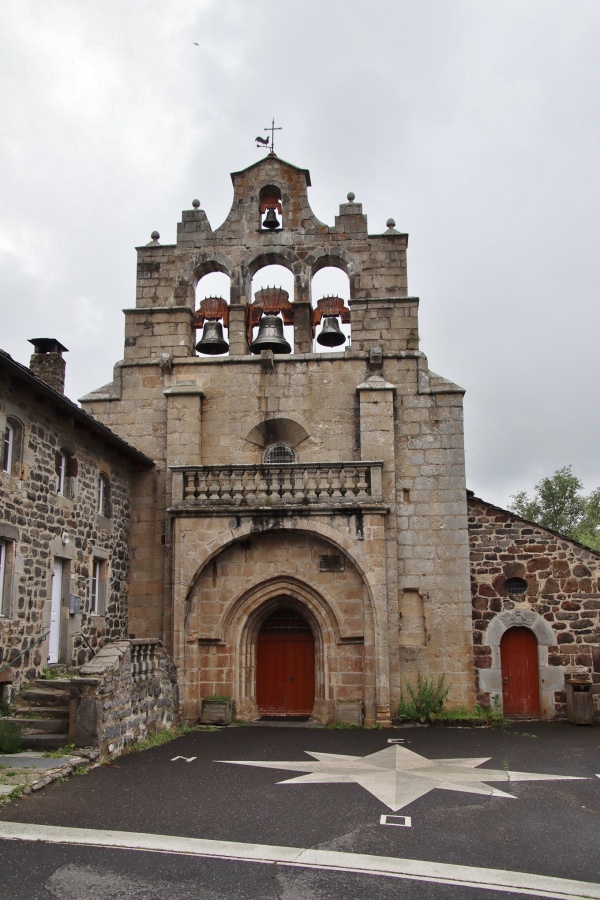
column 426, row 700
column 11, row 737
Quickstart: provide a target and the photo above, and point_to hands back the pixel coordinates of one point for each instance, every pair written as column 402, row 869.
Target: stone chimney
column 47, row 362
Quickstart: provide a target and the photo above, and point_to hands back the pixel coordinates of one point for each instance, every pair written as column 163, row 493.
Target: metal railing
column 23, row 652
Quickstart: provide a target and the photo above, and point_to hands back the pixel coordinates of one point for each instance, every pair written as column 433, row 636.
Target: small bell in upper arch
column 331, row 334
column 270, row 221
column 212, row 341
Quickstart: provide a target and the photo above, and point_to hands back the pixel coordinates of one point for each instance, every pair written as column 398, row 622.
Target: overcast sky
column 475, row 124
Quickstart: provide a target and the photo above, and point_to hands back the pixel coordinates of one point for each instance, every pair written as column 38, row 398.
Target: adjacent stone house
column 536, row 611
column 65, row 510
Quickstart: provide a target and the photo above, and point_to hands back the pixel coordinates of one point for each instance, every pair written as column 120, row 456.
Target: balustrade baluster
column 286, row 485
column 201, row 485
column 361, row 483
column 236, row 486
column 335, row 484
column 262, row 487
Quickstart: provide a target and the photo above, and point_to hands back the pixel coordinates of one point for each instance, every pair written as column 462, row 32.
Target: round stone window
column 515, row 585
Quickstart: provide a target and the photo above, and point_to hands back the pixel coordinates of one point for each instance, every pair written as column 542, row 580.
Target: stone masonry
column 561, row 603
column 377, row 480
column 39, row 525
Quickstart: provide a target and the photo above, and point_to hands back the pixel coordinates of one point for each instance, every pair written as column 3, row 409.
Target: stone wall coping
column 184, row 389
column 148, row 310
column 138, row 642
column 376, row 383
column 276, row 511
column 295, row 465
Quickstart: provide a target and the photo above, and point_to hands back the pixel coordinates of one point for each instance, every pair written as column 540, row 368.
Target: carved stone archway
column 244, row 622
column 552, row 678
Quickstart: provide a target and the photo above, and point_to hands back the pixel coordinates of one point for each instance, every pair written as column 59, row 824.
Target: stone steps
column 43, row 714
column 44, row 741
column 23, row 711
column 30, row 725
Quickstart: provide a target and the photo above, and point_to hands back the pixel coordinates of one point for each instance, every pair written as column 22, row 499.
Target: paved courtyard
column 282, row 812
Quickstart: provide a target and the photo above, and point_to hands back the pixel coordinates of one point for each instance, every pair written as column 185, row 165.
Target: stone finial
column 391, row 227
column 155, row 236
column 351, row 196
column 196, row 204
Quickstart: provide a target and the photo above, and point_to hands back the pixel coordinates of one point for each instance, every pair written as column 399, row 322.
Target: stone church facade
column 304, row 538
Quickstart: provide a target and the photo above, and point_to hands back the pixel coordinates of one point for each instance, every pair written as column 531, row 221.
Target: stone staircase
column 42, row 710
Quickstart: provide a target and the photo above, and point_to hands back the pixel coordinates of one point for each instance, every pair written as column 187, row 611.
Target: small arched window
column 11, row 448
column 279, row 453
column 103, row 496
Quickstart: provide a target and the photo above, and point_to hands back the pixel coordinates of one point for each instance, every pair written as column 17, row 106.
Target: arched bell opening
column 272, row 326
column 270, row 208
column 285, row 664
column 332, row 334
column 212, row 320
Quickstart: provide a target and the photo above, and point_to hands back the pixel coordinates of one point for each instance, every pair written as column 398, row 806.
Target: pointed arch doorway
column 285, row 665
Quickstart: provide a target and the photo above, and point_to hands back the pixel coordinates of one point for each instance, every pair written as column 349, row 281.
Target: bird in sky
column 196, row 44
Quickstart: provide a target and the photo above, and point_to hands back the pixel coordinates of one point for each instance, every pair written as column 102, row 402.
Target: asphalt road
column 152, row 818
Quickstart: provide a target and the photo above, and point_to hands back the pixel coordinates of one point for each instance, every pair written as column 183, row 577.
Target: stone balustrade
column 283, row 484
column 145, row 658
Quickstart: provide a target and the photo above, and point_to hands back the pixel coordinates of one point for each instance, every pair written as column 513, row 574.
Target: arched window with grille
column 279, row 453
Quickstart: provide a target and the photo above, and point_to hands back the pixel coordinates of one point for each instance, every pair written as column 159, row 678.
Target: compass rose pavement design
column 397, row 776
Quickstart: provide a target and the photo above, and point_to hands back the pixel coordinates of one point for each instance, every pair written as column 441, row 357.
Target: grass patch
column 163, row 737
column 426, row 704
column 67, row 750
column 426, row 700
column 51, row 673
column 11, row 737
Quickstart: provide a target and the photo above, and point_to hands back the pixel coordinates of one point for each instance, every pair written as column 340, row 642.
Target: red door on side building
column 520, row 673
column 285, row 666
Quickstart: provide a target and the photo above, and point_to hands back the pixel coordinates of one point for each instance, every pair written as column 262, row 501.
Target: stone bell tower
column 302, row 542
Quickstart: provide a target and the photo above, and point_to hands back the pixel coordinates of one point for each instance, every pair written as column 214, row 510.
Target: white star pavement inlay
column 397, row 776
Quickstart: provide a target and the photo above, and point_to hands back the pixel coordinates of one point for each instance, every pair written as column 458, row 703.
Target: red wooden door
column 520, row 673
column 285, row 666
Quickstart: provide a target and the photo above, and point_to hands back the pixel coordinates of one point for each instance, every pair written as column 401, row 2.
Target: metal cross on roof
column 264, row 142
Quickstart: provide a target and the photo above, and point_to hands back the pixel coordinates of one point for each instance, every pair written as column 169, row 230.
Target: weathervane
column 264, row 142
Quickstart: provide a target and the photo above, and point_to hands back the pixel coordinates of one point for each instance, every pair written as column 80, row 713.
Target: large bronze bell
column 331, row 334
column 270, row 336
column 212, row 340
column 270, row 221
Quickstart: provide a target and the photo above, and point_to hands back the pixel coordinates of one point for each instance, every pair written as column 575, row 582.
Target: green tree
column 558, row 503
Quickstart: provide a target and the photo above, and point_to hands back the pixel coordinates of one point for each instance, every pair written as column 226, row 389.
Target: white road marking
column 399, row 821
column 412, row 869
column 185, row 758
column 397, row 775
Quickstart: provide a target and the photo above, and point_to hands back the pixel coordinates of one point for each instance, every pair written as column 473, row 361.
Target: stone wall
column 377, row 401
column 127, row 692
column 39, row 526
column 561, row 603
